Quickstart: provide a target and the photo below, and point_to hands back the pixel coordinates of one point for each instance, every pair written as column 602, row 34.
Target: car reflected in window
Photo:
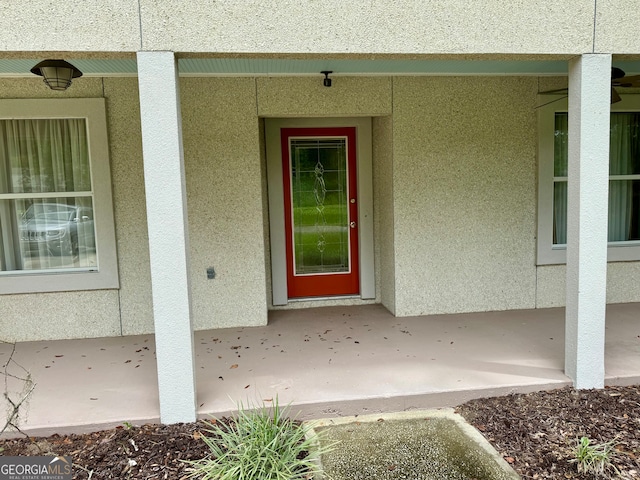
column 57, row 229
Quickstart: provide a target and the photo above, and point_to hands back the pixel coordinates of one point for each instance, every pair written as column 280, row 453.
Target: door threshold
column 334, row 297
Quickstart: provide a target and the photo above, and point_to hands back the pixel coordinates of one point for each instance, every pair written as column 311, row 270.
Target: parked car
column 57, row 228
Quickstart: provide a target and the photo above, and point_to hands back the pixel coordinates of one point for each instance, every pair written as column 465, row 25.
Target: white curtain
column 39, row 156
column 625, row 129
column 47, row 155
column 624, row 160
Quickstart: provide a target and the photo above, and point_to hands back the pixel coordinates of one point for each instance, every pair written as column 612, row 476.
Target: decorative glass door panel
column 320, row 211
column 319, row 205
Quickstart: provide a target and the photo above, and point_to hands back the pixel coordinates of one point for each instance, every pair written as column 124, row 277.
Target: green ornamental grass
column 257, row 444
column 594, row 458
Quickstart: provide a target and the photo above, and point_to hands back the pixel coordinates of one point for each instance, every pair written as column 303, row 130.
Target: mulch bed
column 536, row 433
column 127, row 452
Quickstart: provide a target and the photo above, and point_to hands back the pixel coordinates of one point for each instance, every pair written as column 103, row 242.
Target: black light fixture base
column 327, row 81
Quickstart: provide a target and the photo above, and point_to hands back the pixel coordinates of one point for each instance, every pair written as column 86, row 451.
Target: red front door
column 321, row 211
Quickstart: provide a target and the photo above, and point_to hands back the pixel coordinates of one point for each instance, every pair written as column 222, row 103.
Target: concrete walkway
column 424, row 444
column 326, row 362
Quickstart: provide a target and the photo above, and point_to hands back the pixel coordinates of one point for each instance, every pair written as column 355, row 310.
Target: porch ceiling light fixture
column 327, row 81
column 57, row 73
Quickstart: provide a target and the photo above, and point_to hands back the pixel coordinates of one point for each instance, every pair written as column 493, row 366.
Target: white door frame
column 364, row 170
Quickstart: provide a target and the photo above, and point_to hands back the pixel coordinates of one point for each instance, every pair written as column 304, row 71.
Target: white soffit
column 297, row 67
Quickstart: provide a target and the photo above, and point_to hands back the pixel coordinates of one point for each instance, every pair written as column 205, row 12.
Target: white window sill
column 616, row 252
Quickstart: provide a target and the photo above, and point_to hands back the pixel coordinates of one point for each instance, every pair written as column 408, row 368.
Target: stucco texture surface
column 52, row 316
column 362, row 26
column 224, row 190
column 617, row 27
column 34, row 87
column 464, row 191
column 623, row 279
column 383, row 209
column 89, row 25
column 329, row 27
column 123, row 114
column 306, row 96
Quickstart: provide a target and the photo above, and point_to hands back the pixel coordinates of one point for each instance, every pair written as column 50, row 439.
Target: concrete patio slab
column 325, row 362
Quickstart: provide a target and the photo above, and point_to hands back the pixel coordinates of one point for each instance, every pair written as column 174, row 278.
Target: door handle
column 352, row 224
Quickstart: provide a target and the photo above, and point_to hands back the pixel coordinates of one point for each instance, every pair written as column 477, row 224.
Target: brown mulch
column 536, row 433
column 127, row 452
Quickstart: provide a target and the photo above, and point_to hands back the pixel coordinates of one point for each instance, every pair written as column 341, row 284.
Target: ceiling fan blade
column 557, row 91
column 632, row 81
column 615, row 98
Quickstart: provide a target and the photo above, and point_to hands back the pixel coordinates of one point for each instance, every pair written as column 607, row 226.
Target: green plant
column 258, row 444
column 594, row 458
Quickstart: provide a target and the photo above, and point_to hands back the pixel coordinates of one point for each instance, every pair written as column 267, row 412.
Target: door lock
column 352, row 224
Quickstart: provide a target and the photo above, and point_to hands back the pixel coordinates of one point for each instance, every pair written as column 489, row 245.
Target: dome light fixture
column 57, row 73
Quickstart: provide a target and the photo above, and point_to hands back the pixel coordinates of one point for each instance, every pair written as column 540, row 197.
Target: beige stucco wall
column 224, row 201
column 89, row 25
column 465, row 194
column 321, row 26
column 465, row 202
column 224, row 197
column 361, row 26
column 307, row 97
column 52, row 316
column 617, row 27
column 385, row 26
column 454, row 197
column 383, row 209
column 125, row 140
column 623, row 279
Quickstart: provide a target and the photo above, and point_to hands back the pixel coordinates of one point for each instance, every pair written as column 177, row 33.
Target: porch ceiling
column 245, row 66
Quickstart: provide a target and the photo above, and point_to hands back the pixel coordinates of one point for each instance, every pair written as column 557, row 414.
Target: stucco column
column 168, row 233
column 588, row 197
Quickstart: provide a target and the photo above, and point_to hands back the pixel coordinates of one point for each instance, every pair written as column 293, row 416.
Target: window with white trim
column 56, row 214
column 624, row 182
